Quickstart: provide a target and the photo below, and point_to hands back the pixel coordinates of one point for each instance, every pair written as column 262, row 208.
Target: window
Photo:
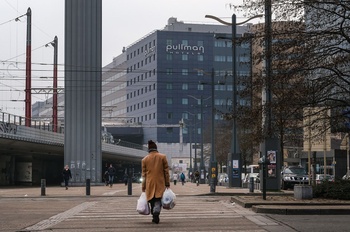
column 169, row 130
column 185, row 115
column 184, row 72
column 200, row 43
column 200, row 87
column 185, row 42
column 169, row 71
column 200, row 58
column 169, row 42
column 220, row 58
column 169, row 56
column 185, row 130
column 184, row 86
column 169, row 101
column 184, row 57
column 169, row 86
column 184, row 101
column 219, row 44
column 169, row 115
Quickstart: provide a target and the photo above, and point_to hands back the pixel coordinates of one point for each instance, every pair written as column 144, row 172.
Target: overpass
column 29, row 154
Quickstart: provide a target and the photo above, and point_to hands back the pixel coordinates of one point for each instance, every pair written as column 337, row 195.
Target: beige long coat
column 155, row 173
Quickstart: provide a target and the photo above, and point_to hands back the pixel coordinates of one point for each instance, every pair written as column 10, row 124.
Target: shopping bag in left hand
column 142, row 205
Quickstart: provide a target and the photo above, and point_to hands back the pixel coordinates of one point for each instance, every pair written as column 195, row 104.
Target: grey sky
column 124, row 22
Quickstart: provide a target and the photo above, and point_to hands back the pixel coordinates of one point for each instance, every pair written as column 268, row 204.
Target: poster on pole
column 235, row 168
column 271, row 156
column 271, row 171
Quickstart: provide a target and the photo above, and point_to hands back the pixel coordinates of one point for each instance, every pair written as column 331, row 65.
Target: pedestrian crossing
column 191, row 213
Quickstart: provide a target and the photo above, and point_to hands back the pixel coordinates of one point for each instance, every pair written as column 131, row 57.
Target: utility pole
column 54, row 100
column 28, row 91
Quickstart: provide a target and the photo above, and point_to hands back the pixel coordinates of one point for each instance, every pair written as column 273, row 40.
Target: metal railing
column 14, row 126
column 20, row 121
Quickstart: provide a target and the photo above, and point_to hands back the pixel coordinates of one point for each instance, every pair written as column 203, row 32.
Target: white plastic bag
column 142, row 205
column 168, row 199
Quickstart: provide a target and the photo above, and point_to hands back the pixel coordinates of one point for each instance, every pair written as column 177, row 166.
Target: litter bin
column 251, row 184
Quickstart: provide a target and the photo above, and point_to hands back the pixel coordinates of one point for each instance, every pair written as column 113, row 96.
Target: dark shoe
column 155, row 218
column 66, row 188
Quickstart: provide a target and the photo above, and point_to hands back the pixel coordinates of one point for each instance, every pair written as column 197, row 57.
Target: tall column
column 83, row 62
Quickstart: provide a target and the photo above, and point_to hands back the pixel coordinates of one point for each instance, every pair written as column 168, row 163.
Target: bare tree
column 311, row 64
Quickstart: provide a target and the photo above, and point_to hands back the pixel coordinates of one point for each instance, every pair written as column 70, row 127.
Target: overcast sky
column 123, row 22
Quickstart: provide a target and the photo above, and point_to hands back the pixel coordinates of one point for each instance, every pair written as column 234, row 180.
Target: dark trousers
column 66, row 182
column 156, row 205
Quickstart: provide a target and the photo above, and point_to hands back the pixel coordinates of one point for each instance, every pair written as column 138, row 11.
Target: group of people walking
column 109, row 175
column 176, row 177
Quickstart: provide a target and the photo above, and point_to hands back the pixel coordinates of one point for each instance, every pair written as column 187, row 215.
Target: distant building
column 162, row 79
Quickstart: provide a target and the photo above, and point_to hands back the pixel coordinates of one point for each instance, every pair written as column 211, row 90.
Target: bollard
column 87, row 187
column 251, row 184
column 129, row 186
column 43, row 187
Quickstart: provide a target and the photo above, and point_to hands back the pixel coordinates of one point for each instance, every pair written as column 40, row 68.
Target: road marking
column 60, row 217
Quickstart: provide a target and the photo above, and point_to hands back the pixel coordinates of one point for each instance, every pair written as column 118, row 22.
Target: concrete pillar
column 82, row 86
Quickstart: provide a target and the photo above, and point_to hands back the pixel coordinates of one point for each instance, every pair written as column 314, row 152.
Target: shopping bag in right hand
column 168, row 199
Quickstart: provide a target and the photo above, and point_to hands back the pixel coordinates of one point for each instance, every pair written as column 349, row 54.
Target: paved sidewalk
column 116, row 190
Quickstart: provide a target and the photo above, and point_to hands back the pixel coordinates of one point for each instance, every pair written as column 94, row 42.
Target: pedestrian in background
column 175, row 177
column 155, row 178
column 66, row 174
column 183, row 178
column 111, row 173
column 125, row 178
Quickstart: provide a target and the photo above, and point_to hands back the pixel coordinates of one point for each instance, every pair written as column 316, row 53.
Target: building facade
column 165, row 78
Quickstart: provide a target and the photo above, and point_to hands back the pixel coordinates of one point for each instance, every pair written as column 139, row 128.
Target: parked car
column 254, row 175
column 293, row 175
column 320, row 178
column 222, row 178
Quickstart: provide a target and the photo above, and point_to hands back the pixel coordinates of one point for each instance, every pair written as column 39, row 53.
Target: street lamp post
column 234, row 155
column 213, row 164
column 195, row 143
column 201, row 165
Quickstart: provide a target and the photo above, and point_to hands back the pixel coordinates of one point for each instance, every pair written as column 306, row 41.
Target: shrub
column 339, row 189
